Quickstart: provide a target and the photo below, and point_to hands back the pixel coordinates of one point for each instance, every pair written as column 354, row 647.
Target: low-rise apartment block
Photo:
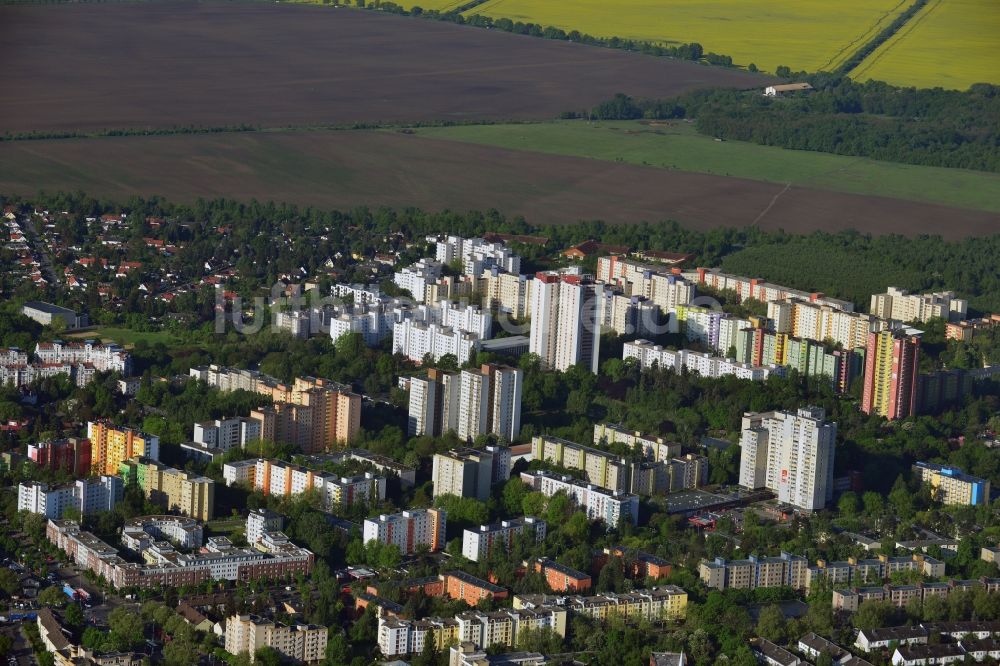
column 561, row 578
column 624, row 473
column 655, row 449
column 649, row 356
column 173, row 489
column 478, row 544
column 276, row 477
column 661, row 603
column 849, row 599
column 408, row 529
column 482, row 629
column 599, row 503
column 304, row 643
column 756, row 572
column 950, row 485
column 273, row 556
column 760, row 290
column 103, row 357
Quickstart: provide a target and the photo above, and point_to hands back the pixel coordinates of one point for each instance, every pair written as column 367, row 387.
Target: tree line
column 930, row 127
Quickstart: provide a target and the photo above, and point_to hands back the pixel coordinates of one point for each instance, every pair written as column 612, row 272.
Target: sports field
column 951, row 43
column 676, row 145
column 802, row 34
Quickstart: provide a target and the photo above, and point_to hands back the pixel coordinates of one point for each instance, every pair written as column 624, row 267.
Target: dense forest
column 931, row 127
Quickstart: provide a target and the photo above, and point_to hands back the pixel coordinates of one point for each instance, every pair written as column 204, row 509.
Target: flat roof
column 50, row 308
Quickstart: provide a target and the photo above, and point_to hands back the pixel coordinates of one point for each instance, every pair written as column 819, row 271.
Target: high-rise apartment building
column 173, row 489
column 897, row 304
column 71, row 455
column 225, row 434
column 408, row 529
column 314, row 416
column 892, row 361
column 565, row 327
column 470, row 403
column 507, row 292
column 791, row 454
column 87, row 496
column 470, row 472
column 111, row 446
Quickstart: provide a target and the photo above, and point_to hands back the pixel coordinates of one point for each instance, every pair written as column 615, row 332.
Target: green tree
column 52, row 597
column 8, row 581
column 771, row 624
column 74, row 616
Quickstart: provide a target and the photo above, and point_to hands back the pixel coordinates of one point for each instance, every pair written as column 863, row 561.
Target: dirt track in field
column 92, row 66
column 344, row 169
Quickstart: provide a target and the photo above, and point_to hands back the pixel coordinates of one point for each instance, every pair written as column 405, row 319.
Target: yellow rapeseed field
column 802, row 34
column 951, row 43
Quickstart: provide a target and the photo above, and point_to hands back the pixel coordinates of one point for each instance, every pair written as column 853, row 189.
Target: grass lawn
column 951, row 43
column 126, row 337
column 676, row 145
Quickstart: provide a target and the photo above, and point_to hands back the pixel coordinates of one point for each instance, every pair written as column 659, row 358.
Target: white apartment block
column 373, row 321
column 599, row 503
column 765, row 292
column 88, row 496
column 226, row 434
column 477, row 255
column 462, row 317
column 241, row 472
column 408, row 529
column 803, row 319
column 297, row 643
column 902, row 306
column 417, row 277
column 791, row 454
column 104, row 358
column 649, row 355
column 415, row 340
column 260, row 521
column 470, row 403
column 477, row 544
column 565, row 326
column 359, row 294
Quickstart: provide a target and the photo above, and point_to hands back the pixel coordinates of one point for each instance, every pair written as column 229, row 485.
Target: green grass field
column 676, row 145
column 951, row 43
column 126, row 337
column 803, row 34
